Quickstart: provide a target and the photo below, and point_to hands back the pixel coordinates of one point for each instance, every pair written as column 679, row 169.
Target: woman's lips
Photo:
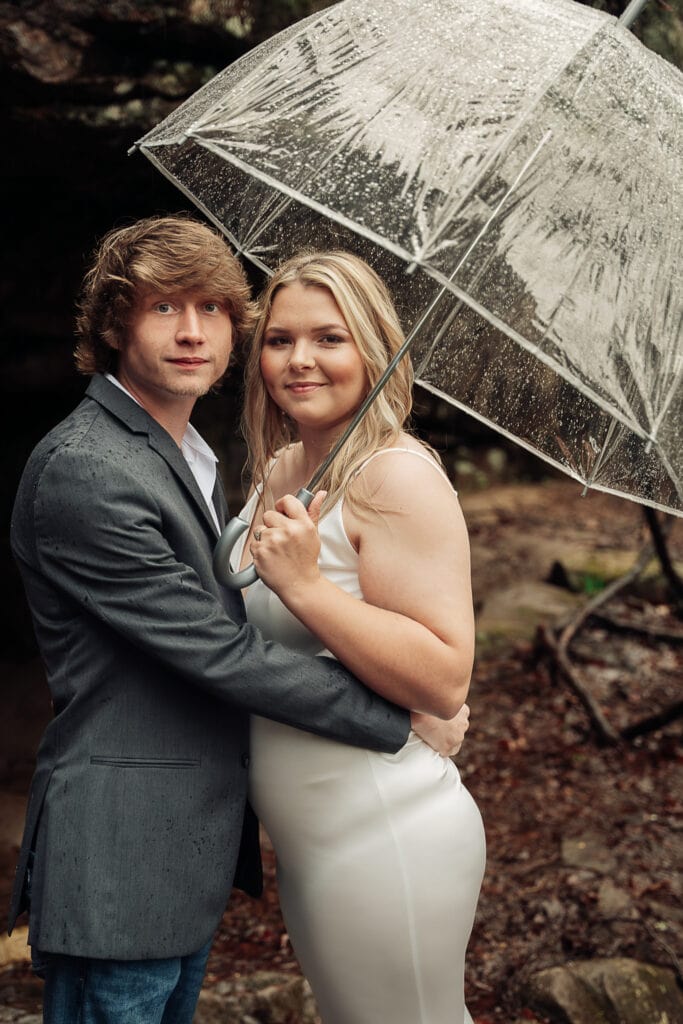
column 301, row 387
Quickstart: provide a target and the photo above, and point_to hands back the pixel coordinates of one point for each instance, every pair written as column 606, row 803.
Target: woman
column 380, row 857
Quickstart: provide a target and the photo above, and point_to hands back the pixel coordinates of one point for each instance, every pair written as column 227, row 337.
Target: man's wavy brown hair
column 157, row 254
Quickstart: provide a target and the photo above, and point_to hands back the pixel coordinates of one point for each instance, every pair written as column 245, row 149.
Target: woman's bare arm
column 412, row 639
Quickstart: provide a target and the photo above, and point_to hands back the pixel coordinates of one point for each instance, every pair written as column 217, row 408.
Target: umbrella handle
column 226, row 542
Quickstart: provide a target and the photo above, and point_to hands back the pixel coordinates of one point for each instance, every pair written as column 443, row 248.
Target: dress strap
column 409, row 451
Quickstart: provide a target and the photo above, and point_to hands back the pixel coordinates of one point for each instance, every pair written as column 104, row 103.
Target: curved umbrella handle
column 221, row 557
column 226, row 542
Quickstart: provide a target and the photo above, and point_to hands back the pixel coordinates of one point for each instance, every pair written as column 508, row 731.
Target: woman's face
column 310, row 363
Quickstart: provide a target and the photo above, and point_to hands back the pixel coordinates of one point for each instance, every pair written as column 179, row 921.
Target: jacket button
column 245, row 760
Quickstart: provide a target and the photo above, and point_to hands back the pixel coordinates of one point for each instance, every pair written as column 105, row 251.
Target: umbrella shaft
column 372, row 394
column 632, row 12
column 360, row 413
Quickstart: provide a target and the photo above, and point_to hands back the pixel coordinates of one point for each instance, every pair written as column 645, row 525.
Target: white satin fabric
column 380, row 856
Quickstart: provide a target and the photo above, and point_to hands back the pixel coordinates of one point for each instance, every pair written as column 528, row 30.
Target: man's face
column 178, row 345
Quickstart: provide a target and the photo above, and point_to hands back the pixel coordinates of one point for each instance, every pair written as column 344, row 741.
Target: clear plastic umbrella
column 514, row 170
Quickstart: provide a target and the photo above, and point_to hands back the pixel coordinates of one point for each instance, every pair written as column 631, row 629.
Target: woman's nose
column 301, row 355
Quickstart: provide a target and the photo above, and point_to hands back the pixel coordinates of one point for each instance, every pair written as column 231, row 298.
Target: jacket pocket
column 145, row 762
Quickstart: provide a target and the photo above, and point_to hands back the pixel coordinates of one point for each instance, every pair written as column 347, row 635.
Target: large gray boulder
column 613, row 991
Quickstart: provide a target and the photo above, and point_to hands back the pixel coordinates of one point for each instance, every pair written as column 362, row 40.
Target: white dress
column 380, row 857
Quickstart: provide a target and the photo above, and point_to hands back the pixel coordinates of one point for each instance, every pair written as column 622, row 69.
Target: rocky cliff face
column 80, row 81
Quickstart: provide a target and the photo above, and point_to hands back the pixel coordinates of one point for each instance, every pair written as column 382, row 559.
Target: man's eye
column 211, row 307
column 163, row 307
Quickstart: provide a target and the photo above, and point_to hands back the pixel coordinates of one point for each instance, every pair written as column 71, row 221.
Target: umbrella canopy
column 514, row 171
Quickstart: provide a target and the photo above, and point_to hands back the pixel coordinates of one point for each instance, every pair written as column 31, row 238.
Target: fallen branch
column 659, row 534
column 620, row 624
column 558, row 646
column 605, row 595
column 653, row 722
column 605, row 729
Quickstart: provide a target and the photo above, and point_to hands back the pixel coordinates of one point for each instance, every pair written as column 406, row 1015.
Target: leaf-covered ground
column 585, row 842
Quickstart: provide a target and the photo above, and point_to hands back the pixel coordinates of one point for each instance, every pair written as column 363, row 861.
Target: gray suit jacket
column 136, row 812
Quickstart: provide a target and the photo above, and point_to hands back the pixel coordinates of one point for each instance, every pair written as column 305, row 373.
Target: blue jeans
column 87, row 991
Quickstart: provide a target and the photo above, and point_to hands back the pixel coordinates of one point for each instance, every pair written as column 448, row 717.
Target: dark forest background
column 80, row 81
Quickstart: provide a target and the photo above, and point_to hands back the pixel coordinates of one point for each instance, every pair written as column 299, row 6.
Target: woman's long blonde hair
column 373, row 323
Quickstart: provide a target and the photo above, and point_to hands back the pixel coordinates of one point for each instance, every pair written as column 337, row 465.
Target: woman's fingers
column 316, row 505
column 285, row 546
column 289, row 508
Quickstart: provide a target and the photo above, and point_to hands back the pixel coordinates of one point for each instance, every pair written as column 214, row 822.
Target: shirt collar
column 193, row 444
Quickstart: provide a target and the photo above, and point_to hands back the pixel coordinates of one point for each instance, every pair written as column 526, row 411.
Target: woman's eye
column 276, row 340
column 331, row 339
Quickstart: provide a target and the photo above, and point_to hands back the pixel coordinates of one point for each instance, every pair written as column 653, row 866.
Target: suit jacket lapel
column 140, row 422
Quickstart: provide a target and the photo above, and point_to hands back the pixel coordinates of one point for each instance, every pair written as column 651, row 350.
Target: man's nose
column 190, row 325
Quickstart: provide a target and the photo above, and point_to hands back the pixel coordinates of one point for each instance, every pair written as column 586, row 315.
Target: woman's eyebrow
column 318, row 327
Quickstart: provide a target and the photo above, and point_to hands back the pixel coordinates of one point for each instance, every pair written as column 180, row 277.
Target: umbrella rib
column 601, row 455
column 346, row 139
column 665, row 406
column 536, row 349
column 529, row 161
column 675, row 479
column 437, row 338
column 673, row 357
column 327, row 211
column 205, row 210
column 563, row 467
column 285, row 190
column 484, row 266
column 514, row 335
column 526, row 116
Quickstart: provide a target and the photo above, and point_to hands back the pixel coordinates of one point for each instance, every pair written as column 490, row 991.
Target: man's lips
column 189, row 362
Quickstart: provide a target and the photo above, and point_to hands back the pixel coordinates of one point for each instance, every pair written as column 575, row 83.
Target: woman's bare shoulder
column 404, row 468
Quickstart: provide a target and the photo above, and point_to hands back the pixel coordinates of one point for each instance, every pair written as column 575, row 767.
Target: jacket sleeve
column 97, row 534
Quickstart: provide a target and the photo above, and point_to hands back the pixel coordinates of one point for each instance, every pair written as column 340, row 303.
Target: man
column 136, row 821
